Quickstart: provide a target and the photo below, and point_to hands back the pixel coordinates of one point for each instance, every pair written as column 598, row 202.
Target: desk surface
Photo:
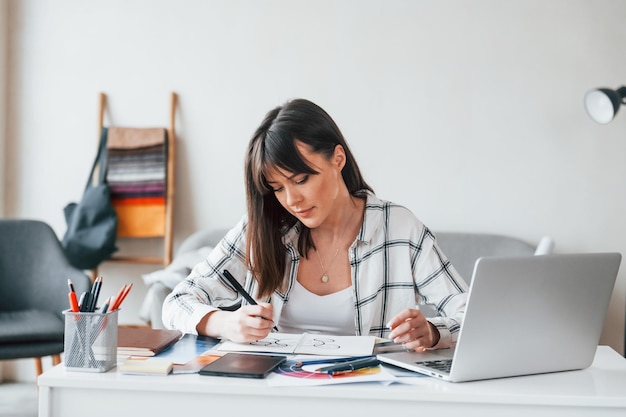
column 600, row 388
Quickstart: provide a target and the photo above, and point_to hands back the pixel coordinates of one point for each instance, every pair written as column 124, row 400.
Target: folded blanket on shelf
column 137, row 176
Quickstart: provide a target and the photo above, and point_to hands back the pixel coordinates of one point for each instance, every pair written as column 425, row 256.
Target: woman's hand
column 411, row 328
column 247, row 324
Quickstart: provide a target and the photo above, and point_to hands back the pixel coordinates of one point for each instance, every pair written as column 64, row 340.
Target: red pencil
column 121, row 296
column 125, row 294
column 117, row 299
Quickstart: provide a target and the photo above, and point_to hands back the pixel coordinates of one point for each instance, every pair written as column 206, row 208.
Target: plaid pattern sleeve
column 396, row 264
column 205, row 290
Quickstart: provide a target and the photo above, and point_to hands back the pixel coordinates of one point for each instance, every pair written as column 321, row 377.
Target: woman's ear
column 339, row 157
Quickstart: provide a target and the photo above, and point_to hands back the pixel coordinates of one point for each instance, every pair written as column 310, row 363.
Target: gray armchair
column 33, row 291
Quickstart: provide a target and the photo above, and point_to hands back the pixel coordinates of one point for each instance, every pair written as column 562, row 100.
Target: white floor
column 18, row 399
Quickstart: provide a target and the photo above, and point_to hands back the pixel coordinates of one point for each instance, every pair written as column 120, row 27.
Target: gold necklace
column 325, row 278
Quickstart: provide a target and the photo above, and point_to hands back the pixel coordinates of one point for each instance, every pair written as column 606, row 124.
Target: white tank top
column 312, row 313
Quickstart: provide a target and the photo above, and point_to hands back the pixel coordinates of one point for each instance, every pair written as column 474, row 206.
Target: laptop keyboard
column 442, row 365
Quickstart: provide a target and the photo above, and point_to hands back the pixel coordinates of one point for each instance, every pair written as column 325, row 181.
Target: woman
column 318, row 250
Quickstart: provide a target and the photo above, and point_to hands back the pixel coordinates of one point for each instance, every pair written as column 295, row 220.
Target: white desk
column 597, row 391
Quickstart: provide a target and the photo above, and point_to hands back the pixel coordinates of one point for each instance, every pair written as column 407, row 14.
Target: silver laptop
column 525, row 315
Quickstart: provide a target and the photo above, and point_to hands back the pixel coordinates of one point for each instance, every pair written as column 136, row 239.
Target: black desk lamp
column 602, row 104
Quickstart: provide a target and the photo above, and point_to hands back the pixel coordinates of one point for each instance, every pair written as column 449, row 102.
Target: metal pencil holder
column 90, row 341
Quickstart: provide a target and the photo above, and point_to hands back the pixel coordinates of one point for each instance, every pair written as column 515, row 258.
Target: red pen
column 72, row 297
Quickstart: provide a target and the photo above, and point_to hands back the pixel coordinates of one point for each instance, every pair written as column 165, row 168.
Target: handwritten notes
column 306, row 343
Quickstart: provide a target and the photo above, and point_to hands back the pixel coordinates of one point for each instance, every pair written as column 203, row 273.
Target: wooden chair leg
column 56, row 359
column 38, row 367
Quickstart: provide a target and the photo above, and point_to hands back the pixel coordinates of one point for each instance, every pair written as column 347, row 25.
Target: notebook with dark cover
column 145, row 341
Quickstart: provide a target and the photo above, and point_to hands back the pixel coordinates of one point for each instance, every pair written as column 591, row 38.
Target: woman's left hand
column 411, row 329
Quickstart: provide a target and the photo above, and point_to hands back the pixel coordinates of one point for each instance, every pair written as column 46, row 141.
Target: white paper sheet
column 306, row 343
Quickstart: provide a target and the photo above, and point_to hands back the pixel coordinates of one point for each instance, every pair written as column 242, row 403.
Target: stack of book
column 144, row 341
column 141, row 344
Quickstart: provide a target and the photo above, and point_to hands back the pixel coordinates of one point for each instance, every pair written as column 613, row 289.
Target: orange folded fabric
column 138, row 201
column 140, row 220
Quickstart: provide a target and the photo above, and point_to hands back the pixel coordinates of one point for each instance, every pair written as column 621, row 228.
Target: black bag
column 92, row 223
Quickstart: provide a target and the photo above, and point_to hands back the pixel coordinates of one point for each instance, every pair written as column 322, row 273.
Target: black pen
column 95, row 293
column 241, row 290
column 334, row 361
column 350, row 366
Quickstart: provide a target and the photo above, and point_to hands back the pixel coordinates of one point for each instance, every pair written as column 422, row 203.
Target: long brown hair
column 273, row 146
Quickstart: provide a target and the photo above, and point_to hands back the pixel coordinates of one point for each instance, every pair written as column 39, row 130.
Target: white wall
column 4, row 45
column 4, row 36
column 469, row 113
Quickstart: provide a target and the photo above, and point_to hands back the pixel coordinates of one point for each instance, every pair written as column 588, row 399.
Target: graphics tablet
column 243, row 365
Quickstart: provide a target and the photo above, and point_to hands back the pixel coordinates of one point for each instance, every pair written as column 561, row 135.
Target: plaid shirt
column 395, row 263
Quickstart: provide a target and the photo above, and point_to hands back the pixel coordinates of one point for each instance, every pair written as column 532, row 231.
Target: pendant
column 324, row 278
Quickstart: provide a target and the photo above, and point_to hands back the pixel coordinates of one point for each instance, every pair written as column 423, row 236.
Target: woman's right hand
column 247, row 324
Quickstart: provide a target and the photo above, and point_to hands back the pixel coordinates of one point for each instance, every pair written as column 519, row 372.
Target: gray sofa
column 463, row 249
